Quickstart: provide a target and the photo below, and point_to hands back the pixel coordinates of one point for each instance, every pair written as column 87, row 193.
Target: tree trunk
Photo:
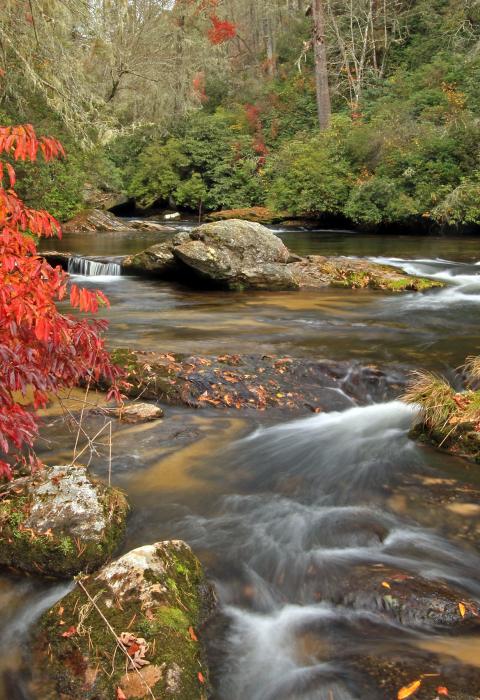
column 321, row 70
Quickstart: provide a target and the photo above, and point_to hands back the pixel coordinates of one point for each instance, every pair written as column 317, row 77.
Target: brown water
column 281, row 511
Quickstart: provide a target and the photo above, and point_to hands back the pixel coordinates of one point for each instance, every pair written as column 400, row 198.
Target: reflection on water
column 281, row 512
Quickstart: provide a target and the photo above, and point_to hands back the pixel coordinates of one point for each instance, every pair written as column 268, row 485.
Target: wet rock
column 234, row 254
column 428, row 677
column 92, row 220
column 155, row 600
column 133, row 413
column 158, row 260
column 446, row 504
column 319, row 271
column 59, row 522
column 260, row 215
column 268, row 382
column 463, row 441
column 408, row 598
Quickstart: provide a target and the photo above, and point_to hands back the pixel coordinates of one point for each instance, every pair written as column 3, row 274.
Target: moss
column 55, row 553
column 165, row 627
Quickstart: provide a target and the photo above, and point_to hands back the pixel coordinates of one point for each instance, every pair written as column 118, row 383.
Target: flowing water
column 284, row 510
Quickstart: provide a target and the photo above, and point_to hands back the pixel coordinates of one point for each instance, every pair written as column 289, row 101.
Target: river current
column 282, row 509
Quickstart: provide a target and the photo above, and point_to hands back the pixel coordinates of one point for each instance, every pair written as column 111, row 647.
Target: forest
column 239, row 349
column 363, row 112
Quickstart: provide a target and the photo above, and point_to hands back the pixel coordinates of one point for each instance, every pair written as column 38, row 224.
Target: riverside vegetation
column 238, row 127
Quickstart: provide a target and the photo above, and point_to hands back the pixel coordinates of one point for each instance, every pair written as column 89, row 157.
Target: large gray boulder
column 60, row 521
column 237, row 254
column 132, row 630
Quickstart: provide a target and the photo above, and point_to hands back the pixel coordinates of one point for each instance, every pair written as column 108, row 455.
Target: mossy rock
column 59, row 522
column 158, row 596
column 352, row 273
column 462, row 441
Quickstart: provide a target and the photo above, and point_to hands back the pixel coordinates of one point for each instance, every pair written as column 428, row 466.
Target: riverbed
column 282, row 508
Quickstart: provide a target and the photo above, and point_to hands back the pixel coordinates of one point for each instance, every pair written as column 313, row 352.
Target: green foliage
column 309, row 175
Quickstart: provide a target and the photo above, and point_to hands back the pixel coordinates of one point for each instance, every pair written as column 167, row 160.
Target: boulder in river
column 235, row 254
column 239, row 255
column 92, row 220
column 60, row 521
column 132, row 630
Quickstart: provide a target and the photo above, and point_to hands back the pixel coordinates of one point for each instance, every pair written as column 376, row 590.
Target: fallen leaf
column 70, row 632
column 441, row 690
column 192, row 634
column 60, row 612
column 408, row 690
column 201, row 677
column 120, row 694
column 385, row 584
column 462, row 609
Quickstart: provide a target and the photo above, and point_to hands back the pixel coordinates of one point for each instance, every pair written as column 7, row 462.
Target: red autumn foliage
column 221, row 30
column 198, row 85
column 41, row 349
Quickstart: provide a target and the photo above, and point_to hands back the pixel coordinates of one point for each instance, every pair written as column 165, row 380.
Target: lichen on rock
column 135, row 626
column 59, row 522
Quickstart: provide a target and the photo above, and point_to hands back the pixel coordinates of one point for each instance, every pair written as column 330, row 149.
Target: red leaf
column 70, row 632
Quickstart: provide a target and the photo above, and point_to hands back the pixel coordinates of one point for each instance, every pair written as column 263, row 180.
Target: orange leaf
column 462, row 609
column 441, row 690
column 408, row 690
column 192, row 634
column 385, row 584
column 70, row 632
column 120, row 694
column 201, row 677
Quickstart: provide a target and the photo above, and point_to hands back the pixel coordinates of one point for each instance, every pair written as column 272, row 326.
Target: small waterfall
column 93, row 268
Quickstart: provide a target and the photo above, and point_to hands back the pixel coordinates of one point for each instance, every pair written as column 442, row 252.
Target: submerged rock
column 92, row 220
column 408, row 598
column 59, row 522
column 131, row 630
column 239, row 255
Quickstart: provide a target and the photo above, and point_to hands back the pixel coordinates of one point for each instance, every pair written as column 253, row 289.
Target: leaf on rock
column 408, row 690
column 462, row 609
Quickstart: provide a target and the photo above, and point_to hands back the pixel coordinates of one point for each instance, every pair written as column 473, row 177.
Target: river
column 282, row 509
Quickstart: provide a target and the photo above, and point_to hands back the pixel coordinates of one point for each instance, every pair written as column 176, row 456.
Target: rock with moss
column 59, row 522
column 354, row 273
column 132, row 630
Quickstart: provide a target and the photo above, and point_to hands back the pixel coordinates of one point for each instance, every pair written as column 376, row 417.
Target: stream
column 282, row 508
